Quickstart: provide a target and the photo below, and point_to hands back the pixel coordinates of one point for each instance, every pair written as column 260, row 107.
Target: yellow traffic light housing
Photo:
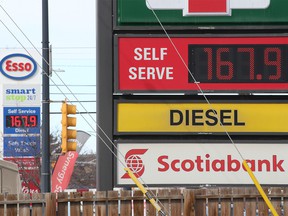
column 68, row 134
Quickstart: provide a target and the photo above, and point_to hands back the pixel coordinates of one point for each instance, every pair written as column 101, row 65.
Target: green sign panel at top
column 261, row 13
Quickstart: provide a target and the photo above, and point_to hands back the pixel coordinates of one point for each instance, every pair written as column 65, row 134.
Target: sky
column 72, row 35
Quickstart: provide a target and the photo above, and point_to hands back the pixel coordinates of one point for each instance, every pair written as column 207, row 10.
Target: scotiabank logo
column 206, row 7
column 229, row 164
column 134, row 162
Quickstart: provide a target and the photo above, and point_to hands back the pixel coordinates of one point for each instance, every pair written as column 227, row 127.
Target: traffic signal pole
column 45, row 168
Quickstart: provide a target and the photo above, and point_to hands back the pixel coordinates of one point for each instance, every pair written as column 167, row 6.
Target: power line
column 74, row 47
column 69, row 93
column 42, row 58
column 82, row 101
column 75, row 58
column 75, row 85
column 56, row 113
column 111, row 150
column 40, row 48
column 87, row 66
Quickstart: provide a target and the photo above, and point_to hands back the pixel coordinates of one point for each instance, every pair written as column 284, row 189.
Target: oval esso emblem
column 18, row 66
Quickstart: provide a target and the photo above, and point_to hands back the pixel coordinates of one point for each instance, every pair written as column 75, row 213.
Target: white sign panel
column 20, row 86
column 202, row 163
column 200, row 7
column 21, row 95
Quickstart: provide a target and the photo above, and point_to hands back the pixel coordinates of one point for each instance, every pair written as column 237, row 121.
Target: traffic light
column 67, row 132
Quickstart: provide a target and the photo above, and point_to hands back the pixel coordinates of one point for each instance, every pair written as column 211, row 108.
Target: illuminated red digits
column 12, row 121
column 17, row 121
column 220, row 64
column 25, row 121
column 33, row 121
column 276, row 62
column 252, row 60
column 209, row 62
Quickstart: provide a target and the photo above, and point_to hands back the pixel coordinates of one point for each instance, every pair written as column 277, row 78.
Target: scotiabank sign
column 203, row 163
column 212, row 64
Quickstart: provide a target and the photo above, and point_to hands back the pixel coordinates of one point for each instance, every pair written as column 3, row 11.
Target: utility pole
column 45, row 169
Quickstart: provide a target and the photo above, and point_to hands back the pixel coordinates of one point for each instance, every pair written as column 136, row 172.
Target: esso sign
column 18, row 66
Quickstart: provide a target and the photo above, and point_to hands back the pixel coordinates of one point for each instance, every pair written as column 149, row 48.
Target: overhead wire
column 248, row 169
column 99, row 127
column 81, row 113
column 111, row 150
column 29, row 137
column 197, row 83
column 116, row 156
column 83, row 66
column 41, row 57
column 74, row 47
column 53, row 47
column 76, row 85
column 45, row 73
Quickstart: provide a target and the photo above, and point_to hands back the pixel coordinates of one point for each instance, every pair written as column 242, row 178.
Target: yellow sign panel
column 202, row 117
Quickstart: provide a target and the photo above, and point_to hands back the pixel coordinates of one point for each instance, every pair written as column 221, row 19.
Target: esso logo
column 18, row 66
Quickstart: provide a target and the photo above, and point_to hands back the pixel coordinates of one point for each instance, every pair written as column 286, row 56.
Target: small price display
column 239, row 63
column 23, row 121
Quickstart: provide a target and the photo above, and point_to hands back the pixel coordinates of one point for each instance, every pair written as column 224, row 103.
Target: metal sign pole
column 45, row 169
column 104, row 166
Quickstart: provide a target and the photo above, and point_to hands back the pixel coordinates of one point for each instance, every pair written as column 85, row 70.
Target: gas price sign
column 218, row 64
column 21, row 120
column 238, row 63
column 14, row 121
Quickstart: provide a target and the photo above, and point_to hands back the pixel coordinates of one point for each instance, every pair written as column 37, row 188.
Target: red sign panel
column 204, row 6
column 218, row 64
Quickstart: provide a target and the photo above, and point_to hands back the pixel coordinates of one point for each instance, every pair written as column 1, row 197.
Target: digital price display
column 21, row 120
column 194, row 64
column 238, row 63
column 15, row 121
